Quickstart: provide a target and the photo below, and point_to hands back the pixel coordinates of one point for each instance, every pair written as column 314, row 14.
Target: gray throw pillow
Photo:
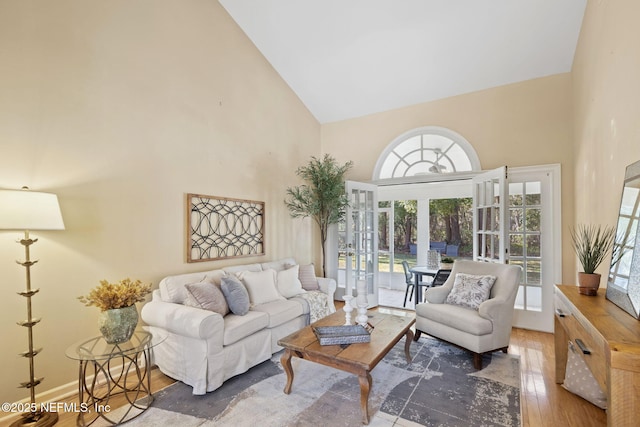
column 208, row 296
column 236, row 295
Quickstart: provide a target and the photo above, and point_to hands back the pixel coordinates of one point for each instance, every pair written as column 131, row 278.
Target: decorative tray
column 349, row 334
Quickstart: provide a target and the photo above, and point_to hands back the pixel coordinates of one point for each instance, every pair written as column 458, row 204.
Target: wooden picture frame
column 219, row 228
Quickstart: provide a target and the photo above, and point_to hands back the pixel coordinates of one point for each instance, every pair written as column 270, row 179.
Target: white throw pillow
column 288, row 283
column 261, row 286
column 470, row 290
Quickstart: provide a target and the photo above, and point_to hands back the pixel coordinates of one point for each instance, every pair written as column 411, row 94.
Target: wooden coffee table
column 358, row 359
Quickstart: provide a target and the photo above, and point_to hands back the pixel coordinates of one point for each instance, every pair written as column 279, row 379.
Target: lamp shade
column 29, row 210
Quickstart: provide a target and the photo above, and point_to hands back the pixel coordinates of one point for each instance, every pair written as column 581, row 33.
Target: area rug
column 439, row 388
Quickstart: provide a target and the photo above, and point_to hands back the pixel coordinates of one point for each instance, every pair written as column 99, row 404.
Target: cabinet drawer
column 591, row 340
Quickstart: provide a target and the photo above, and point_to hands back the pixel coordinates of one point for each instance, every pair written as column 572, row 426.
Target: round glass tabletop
column 97, row 348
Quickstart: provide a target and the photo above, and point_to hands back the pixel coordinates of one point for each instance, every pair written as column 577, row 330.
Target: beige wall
column 522, row 124
column 121, row 108
column 606, row 89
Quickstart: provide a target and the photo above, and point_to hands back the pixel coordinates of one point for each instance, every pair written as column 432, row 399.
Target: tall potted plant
column 591, row 243
column 322, row 197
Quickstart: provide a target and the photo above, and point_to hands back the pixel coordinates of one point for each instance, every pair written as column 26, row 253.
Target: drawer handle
column 583, row 347
column 560, row 313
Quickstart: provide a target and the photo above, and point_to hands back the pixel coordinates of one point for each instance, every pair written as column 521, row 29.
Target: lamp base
column 37, row 419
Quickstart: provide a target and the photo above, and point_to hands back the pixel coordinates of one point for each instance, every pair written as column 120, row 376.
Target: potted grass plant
column 446, row 263
column 118, row 314
column 591, row 244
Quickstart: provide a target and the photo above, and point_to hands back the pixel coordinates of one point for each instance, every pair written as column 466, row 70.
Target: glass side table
column 113, row 374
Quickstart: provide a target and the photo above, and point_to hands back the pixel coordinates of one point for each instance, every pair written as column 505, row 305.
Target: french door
column 358, row 237
column 535, row 244
column 490, row 217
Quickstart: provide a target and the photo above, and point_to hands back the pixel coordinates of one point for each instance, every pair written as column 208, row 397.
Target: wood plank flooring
column 544, row 403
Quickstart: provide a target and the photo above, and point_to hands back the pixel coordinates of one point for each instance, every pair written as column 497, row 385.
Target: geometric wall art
column 219, row 228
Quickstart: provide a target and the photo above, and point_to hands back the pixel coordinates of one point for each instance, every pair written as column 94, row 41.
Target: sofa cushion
column 279, row 265
column 470, row 290
column 172, row 288
column 307, row 276
column 261, row 286
column 208, row 296
column 239, row 327
column 280, row 311
column 458, row 317
column 288, row 283
column 236, row 295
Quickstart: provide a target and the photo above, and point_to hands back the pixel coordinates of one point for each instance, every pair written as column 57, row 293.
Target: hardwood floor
column 544, row 403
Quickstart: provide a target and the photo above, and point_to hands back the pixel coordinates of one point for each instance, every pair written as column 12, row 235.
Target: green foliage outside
column 451, row 221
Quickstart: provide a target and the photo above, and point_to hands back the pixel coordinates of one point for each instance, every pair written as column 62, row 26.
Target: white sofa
column 203, row 348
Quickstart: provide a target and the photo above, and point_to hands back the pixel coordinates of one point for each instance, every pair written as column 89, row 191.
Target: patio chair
column 441, row 277
column 452, row 250
column 410, row 282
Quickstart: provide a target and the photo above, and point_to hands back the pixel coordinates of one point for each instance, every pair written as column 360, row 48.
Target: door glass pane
column 487, row 216
column 534, row 298
column 533, row 193
column 517, row 219
column 533, row 272
column 533, row 246
column 516, row 247
column 369, row 203
column 519, row 304
column 515, row 193
column 533, row 219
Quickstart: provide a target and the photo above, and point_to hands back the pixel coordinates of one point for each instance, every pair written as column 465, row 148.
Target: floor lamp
column 29, row 210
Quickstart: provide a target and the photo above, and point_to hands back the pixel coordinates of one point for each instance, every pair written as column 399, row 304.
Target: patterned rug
column 439, row 388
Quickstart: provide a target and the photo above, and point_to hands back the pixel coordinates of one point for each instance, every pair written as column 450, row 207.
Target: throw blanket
column 318, row 304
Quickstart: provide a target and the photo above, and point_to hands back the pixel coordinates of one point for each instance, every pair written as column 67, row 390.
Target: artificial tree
column 322, row 197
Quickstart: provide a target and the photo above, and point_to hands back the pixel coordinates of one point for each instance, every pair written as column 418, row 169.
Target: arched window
column 426, row 151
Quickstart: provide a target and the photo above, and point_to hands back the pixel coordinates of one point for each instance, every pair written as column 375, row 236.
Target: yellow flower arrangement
column 108, row 296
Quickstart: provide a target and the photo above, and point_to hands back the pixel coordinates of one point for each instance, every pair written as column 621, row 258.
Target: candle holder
column 348, row 308
column 362, row 319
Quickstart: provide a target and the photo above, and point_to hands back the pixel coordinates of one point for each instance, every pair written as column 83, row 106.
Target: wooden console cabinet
column 611, row 342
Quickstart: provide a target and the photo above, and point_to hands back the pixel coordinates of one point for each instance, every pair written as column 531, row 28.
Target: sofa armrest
column 183, row 320
column 328, row 286
column 437, row 295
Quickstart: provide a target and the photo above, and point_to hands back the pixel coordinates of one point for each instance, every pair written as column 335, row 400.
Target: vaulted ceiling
column 349, row 58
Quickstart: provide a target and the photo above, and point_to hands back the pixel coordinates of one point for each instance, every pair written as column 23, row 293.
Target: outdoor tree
column 322, row 197
column 405, row 212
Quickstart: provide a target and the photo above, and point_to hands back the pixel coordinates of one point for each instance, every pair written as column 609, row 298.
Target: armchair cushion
column 470, row 290
column 458, row 317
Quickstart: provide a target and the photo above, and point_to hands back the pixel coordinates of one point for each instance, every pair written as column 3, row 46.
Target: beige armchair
column 483, row 330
